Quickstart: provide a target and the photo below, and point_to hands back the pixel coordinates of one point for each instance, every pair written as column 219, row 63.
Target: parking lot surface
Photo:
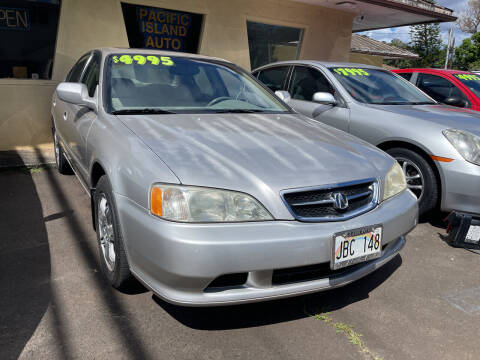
column 54, row 303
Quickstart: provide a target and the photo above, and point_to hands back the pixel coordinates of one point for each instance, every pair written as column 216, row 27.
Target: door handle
column 65, row 115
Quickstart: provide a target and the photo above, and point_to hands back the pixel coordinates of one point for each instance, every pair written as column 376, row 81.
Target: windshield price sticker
column 142, row 60
column 351, row 71
column 467, row 77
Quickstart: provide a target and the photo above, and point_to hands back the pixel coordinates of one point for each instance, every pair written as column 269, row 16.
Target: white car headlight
column 467, row 144
column 201, row 204
column 395, row 181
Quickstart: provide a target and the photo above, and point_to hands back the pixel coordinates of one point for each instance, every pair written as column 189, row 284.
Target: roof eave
column 385, row 54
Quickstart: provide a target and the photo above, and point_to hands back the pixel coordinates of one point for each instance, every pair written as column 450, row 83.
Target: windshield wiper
column 141, row 111
column 237, row 111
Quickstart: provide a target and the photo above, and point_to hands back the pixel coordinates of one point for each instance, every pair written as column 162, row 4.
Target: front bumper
column 178, row 261
column 461, row 186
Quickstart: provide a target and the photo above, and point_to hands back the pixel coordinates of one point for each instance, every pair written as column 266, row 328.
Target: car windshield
column 374, row 86
column 471, row 81
column 146, row 83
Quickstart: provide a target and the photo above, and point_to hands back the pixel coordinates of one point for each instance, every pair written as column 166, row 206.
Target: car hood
column 256, row 152
column 443, row 115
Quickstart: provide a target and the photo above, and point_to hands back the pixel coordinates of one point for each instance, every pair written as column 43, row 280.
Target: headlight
column 394, row 182
column 200, row 204
column 467, row 144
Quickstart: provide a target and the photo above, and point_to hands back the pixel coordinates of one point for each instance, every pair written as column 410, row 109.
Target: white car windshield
column 147, row 83
column 373, row 86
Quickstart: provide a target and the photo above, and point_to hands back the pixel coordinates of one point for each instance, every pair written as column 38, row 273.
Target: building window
column 270, row 43
column 28, row 31
column 155, row 28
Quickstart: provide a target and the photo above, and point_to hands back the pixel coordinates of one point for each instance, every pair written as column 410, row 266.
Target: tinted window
column 406, row 76
column 274, row 78
column 472, row 81
column 90, row 77
column 439, row 88
column 306, row 82
column 76, row 72
column 375, row 86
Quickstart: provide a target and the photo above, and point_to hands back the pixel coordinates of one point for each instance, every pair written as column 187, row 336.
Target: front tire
column 421, row 178
column 113, row 259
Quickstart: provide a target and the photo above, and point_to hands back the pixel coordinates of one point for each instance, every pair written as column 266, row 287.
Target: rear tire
column 113, row 258
column 421, row 178
column 62, row 164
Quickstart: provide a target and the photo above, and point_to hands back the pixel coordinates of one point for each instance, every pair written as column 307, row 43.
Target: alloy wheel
column 414, row 176
column 106, row 232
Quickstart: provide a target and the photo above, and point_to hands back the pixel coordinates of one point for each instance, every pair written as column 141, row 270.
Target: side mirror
column 77, row 94
column 455, row 101
column 324, row 98
column 283, row 95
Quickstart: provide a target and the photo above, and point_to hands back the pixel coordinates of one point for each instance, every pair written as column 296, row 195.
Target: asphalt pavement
column 54, row 303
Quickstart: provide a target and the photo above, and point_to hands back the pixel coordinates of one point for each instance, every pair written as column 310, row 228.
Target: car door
column 82, row 117
column 440, row 88
column 62, row 111
column 306, row 81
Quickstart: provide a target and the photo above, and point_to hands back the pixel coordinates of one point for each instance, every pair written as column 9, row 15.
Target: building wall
column 366, row 59
column 86, row 24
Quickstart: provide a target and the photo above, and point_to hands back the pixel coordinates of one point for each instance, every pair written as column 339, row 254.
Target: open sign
column 14, row 19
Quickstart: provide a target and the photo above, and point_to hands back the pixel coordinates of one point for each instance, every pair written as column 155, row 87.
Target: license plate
column 473, row 234
column 354, row 246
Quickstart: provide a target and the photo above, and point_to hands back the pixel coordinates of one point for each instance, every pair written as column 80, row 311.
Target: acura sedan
column 438, row 146
column 210, row 190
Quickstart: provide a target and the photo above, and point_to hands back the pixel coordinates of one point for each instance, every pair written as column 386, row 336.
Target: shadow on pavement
column 435, row 218
column 277, row 311
column 24, row 260
column 124, row 331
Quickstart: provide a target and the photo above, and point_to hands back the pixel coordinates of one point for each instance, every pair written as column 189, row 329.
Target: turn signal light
column 440, row 158
column 156, row 201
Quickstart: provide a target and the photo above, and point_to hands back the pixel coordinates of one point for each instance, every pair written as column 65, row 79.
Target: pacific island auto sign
column 156, row 28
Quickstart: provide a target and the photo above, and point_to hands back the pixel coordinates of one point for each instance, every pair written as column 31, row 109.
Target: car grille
column 321, row 203
column 315, row 272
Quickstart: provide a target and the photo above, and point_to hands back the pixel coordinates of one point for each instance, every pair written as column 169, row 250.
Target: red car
column 451, row 87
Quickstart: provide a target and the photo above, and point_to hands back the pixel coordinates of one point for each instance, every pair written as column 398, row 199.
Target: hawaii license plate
column 354, row 246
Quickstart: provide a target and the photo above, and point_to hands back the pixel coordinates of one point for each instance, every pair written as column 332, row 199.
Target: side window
column 406, row 76
column 92, row 72
column 76, row 71
column 274, row 78
column 439, row 88
column 306, row 82
column 255, row 74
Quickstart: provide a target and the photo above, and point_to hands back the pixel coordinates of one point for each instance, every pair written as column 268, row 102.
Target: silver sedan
column 437, row 145
column 210, row 190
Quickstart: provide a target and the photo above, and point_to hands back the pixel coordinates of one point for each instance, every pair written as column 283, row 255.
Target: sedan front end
column 214, row 258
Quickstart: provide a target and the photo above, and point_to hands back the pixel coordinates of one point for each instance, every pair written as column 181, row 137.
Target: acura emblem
column 340, row 201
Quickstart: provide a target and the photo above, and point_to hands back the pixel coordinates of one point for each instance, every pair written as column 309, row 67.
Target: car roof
column 115, row 50
column 320, row 63
column 442, row 71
